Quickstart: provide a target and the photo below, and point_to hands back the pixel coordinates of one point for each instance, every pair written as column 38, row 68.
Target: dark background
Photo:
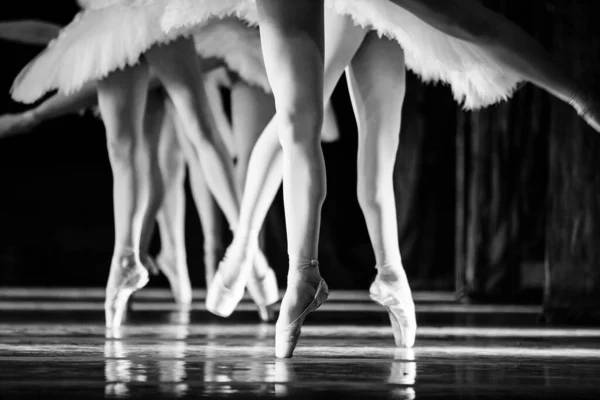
column 472, row 188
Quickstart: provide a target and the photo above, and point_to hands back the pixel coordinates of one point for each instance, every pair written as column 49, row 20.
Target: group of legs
column 305, row 58
column 149, row 148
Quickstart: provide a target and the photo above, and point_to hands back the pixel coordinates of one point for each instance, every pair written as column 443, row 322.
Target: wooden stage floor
column 53, row 343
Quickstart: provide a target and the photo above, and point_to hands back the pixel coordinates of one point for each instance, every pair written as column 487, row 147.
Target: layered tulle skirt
column 475, row 79
column 112, row 34
column 109, row 36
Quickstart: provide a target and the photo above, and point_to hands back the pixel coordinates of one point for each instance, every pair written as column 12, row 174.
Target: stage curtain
column 573, row 239
column 501, row 179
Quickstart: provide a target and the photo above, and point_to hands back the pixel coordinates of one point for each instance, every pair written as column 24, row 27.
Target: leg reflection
column 119, row 370
column 403, row 371
column 171, row 365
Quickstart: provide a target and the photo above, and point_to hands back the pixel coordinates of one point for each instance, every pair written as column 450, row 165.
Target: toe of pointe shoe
column 404, row 328
column 402, row 316
column 285, row 345
column 286, row 338
column 117, row 297
column 221, row 300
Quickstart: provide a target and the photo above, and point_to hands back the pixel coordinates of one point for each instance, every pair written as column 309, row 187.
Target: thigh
column 122, row 99
column 293, row 48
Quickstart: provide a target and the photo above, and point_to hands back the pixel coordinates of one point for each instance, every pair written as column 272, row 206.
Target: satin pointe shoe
column 222, row 298
column 179, row 280
column 264, row 293
column 126, row 276
column 392, row 292
column 286, row 337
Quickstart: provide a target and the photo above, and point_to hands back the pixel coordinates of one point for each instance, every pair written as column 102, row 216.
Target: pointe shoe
column 222, row 300
column 181, row 287
column 286, row 338
column 264, row 293
column 391, row 294
column 124, row 279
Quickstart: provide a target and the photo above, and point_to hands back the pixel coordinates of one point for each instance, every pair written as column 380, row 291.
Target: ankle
column 390, row 271
column 125, row 252
column 303, row 269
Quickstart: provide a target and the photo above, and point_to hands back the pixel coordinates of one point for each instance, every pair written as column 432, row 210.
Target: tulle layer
column 101, row 40
column 475, row 79
column 94, row 44
column 238, row 45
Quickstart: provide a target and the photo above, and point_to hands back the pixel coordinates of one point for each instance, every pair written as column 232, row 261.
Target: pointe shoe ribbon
column 286, row 338
column 402, row 315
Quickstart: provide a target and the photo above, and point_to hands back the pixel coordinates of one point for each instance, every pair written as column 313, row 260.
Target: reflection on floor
column 53, row 342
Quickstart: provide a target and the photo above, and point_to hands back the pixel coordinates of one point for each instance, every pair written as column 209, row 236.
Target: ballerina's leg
column 178, row 68
column 29, row 31
column 57, row 105
column 265, row 167
column 292, row 39
column 122, row 98
column 510, row 46
column 251, row 110
column 264, row 174
column 209, row 212
column 172, row 259
column 377, row 84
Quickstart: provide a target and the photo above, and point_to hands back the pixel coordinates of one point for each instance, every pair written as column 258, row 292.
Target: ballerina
column 121, row 98
column 479, row 53
column 248, row 101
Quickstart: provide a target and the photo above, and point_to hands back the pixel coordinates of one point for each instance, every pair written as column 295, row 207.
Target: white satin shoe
column 393, row 294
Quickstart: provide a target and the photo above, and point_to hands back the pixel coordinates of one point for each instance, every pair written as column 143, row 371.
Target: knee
column 120, row 146
column 372, row 193
column 300, row 126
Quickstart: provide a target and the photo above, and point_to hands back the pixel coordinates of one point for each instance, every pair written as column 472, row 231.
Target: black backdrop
column 55, row 205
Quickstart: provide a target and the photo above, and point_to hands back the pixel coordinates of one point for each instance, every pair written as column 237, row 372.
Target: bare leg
column 150, row 183
column 251, row 110
column 177, row 66
column 122, row 101
column 377, row 86
column 511, row 46
column 265, row 167
column 264, row 175
column 292, row 38
column 56, row 106
column 208, row 210
column 29, row 31
column 212, row 84
column 172, row 259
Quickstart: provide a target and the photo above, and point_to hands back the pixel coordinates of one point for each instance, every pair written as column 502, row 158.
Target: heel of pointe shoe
column 286, row 339
column 404, row 324
column 221, row 300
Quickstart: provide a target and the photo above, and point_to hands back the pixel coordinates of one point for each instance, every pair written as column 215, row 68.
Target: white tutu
column 113, row 34
column 476, row 80
column 238, row 45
